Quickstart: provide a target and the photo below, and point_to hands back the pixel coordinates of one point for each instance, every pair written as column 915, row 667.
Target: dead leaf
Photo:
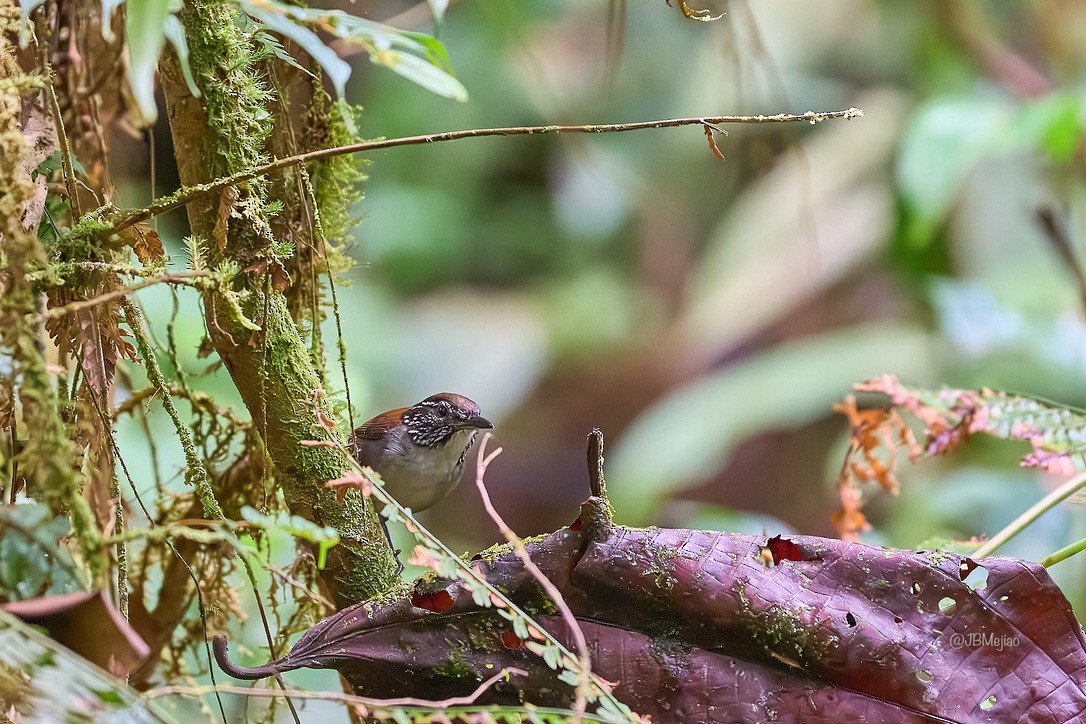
column 145, row 242
column 712, row 142
column 227, row 199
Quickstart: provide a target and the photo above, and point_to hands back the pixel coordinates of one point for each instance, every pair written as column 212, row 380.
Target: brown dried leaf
column 227, row 200
column 279, row 278
column 145, row 242
column 712, row 142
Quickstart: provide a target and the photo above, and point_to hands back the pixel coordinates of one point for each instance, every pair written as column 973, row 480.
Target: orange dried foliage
column 877, row 435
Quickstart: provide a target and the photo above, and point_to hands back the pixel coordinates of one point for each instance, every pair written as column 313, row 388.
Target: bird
column 419, row 451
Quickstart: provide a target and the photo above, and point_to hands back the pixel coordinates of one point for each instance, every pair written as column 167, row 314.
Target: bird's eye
column 443, row 411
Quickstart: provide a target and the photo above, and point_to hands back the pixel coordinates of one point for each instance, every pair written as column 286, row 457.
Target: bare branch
column 186, row 690
column 185, row 195
column 171, row 278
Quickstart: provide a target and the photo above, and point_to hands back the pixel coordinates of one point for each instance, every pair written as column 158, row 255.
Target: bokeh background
column 707, row 314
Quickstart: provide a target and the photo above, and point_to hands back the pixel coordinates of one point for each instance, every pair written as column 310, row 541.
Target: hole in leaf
column 511, row 641
column 973, row 574
column 988, row 703
column 437, row 601
column 915, row 588
column 924, row 676
column 575, row 525
column 850, row 620
column 947, row 605
column 977, row 579
column 898, row 619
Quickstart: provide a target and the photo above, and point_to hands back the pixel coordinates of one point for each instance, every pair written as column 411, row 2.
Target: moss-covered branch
column 225, row 132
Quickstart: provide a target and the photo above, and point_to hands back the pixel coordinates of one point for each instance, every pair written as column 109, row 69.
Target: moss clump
column 457, row 666
column 784, row 634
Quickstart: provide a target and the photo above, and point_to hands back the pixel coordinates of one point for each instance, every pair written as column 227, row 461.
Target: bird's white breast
column 419, row 477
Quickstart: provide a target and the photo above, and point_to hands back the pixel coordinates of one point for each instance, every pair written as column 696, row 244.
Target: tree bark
column 220, row 134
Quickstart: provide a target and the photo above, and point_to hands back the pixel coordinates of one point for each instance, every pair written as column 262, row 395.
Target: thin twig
column 552, row 591
column 170, row 278
column 185, row 195
column 67, row 168
column 185, row 690
column 1056, row 233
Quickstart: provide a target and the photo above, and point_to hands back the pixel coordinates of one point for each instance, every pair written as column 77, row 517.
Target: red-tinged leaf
column 575, row 525
column 712, row 142
column 350, row 479
column 868, row 637
column 511, row 641
column 317, row 443
column 436, row 601
column 782, row 549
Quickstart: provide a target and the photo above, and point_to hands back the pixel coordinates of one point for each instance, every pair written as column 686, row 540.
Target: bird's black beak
column 476, row 423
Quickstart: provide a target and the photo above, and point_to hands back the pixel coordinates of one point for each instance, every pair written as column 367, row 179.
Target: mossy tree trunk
column 225, row 131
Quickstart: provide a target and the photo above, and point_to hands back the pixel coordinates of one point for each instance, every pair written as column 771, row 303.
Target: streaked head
column 433, row 421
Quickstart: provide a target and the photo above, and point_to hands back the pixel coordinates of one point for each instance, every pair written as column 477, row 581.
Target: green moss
column 538, row 603
column 484, row 633
column 457, row 666
column 336, row 180
column 783, row 633
column 275, row 375
column 937, row 558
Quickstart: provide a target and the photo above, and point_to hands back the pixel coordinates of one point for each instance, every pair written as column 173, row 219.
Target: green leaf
column 415, row 56
column 175, row 33
column 272, row 45
column 296, row 525
column 944, row 141
column 438, row 7
column 1051, row 125
column 145, row 28
column 281, row 19
column 421, row 72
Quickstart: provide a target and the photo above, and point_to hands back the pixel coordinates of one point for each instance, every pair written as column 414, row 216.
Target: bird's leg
column 395, row 550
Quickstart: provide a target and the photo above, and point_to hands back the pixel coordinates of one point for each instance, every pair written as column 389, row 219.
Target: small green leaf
column 271, row 44
column 145, row 29
column 175, row 33
column 281, row 20
column 421, row 72
column 296, row 525
column 109, row 697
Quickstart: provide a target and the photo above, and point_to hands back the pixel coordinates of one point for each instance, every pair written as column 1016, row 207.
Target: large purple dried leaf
column 700, row 626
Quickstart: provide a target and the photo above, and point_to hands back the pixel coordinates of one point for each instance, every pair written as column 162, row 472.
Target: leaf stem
column 1042, row 506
